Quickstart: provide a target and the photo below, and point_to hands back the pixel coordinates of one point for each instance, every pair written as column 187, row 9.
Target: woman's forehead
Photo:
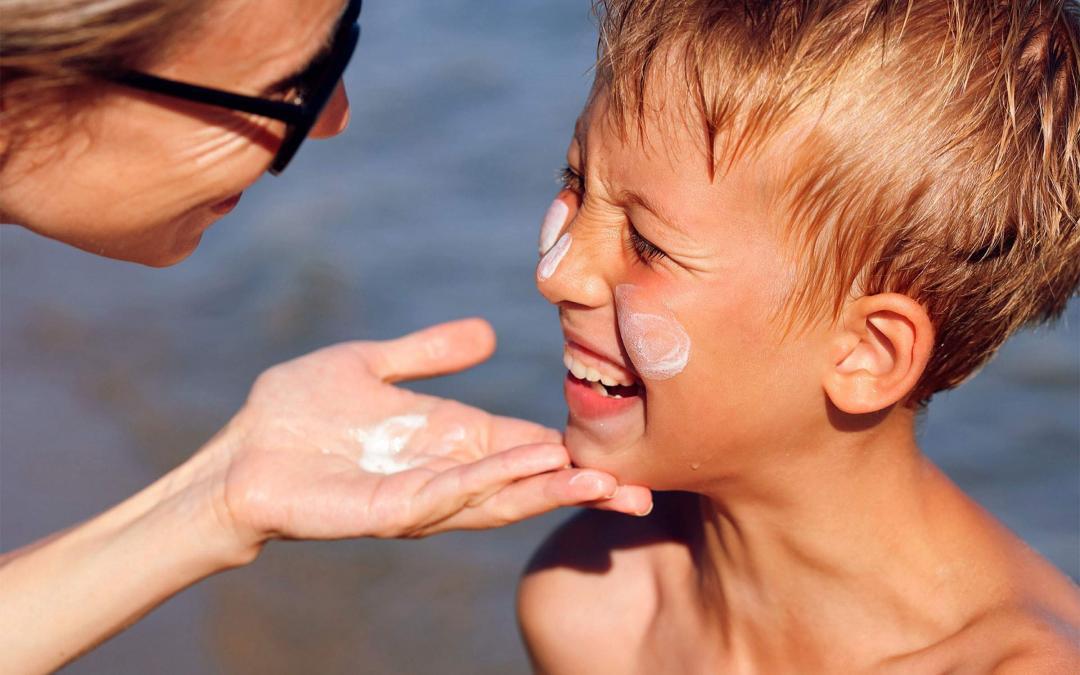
column 250, row 43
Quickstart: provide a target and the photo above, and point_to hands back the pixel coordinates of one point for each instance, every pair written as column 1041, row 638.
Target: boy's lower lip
column 587, row 404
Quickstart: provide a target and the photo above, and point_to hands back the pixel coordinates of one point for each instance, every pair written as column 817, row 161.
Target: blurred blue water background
column 426, row 209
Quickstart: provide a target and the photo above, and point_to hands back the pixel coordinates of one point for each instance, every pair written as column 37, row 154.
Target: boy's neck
column 850, row 532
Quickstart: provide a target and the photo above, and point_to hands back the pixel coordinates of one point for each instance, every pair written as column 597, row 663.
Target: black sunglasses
column 314, row 87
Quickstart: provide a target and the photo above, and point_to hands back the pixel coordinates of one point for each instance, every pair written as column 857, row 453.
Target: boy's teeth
column 579, row 370
column 599, row 389
column 592, row 374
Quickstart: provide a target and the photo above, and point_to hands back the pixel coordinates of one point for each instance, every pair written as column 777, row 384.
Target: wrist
column 195, row 498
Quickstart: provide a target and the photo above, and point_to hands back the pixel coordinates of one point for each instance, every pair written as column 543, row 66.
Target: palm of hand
column 312, row 426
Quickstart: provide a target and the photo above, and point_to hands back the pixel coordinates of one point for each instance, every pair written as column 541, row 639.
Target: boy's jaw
column 605, row 396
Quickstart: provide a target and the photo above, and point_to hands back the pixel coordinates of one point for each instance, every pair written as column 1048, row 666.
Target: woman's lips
column 226, row 205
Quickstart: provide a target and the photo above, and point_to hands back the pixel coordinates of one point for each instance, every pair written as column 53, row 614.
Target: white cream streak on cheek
column 384, row 442
column 550, row 262
column 554, row 220
column 655, row 341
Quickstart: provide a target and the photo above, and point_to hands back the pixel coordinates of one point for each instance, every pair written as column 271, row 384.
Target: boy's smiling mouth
column 599, row 388
column 613, row 380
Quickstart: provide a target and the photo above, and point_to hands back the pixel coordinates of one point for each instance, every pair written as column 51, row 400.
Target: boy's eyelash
column 571, row 180
column 644, row 248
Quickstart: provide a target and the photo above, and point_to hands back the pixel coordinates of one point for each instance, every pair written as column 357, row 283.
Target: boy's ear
column 878, row 353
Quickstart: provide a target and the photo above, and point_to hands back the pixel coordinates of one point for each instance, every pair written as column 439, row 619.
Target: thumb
column 438, row 350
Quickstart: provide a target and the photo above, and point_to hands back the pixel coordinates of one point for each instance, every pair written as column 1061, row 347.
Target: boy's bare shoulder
column 1015, row 639
column 590, row 591
column 1033, row 625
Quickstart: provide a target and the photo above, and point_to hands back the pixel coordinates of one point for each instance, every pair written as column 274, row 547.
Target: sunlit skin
column 137, row 176
column 141, row 177
column 725, row 305
column 819, row 538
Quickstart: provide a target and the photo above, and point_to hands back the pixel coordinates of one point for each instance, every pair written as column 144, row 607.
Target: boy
column 786, row 225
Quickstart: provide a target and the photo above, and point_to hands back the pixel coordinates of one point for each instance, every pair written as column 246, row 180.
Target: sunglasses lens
column 288, row 149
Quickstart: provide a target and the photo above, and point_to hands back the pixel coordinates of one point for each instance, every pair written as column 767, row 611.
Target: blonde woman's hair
column 53, row 52
column 944, row 163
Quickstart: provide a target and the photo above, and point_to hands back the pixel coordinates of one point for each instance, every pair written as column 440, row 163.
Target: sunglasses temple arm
column 289, row 113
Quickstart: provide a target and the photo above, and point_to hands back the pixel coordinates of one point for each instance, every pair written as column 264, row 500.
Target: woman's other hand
column 326, row 447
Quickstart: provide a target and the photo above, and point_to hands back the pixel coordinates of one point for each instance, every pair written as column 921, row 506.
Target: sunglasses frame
column 299, row 117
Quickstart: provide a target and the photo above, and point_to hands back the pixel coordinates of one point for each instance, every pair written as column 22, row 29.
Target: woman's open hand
column 326, row 447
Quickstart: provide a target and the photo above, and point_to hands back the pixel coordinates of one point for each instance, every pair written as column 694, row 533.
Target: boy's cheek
column 654, row 339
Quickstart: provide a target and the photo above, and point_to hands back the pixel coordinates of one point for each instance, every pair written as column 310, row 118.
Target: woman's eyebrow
column 284, row 83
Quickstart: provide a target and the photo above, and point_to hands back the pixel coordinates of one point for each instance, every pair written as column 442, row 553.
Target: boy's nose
column 573, row 275
column 334, row 117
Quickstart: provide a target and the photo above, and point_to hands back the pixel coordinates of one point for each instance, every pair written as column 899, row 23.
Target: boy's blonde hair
column 942, row 156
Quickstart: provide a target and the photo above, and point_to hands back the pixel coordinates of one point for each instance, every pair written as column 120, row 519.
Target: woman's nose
column 335, row 116
column 572, row 271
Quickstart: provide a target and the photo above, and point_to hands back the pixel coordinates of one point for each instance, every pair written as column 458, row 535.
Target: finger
column 437, row 350
column 469, row 484
column 632, row 500
column 535, row 496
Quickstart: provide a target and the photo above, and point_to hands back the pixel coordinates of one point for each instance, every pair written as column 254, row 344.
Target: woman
column 129, row 127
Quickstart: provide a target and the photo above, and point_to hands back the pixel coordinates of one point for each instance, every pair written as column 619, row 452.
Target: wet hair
column 53, row 52
column 940, row 153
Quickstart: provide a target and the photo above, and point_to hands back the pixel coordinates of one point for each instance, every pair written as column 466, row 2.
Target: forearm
column 61, row 597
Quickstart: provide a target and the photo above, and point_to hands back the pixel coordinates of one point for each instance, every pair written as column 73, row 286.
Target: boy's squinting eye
column 644, row 248
column 647, row 251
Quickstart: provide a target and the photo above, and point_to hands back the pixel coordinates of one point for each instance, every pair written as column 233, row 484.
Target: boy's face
column 673, row 280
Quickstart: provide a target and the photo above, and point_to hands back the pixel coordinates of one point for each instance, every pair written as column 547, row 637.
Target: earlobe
column 878, row 354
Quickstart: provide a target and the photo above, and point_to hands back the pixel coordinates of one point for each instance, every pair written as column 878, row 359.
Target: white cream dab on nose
column 384, row 442
column 550, row 262
column 655, row 341
column 554, row 221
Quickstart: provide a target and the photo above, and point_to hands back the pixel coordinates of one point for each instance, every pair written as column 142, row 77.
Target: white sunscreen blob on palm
column 554, row 221
column 550, row 262
column 655, row 341
column 384, row 442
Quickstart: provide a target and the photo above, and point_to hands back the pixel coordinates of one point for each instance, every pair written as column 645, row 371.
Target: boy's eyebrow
column 626, row 196
column 631, row 197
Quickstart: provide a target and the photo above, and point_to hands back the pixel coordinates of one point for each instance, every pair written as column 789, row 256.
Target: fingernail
column 646, row 511
column 595, row 481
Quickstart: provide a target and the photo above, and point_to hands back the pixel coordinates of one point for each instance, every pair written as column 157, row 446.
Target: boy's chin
column 608, row 455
